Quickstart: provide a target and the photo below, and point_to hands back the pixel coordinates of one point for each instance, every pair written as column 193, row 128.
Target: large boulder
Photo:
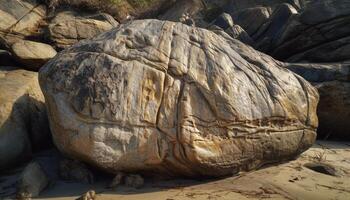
column 333, row 83
column 156, row 96
column 68, row 27
column 23, row 120
column 19, row 19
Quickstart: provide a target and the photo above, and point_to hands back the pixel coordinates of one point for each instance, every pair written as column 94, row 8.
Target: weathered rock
column 31, row 54
column 267, row 38
column 117, row 180
column 252, row 19
column 333, row 83
column 237, row 32
column 32, row 181
column 224, row 21
column 73, row 170
column 23, row 116
column 320, row 33
column 89, row 195
column 135, row 181
column 20, row 19
column 68, row 27
column 155, row 96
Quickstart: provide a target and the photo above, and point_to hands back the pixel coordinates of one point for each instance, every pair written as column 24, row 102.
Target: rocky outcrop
column 23, row 120
column 20, row 19
column 155, row 96
column 32, row 54
column 319, row 33
column 68, row 27
column 333, row 83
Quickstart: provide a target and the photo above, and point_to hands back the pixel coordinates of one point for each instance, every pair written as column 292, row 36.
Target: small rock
column 135, row 181
column 90, row 195
column 117, row 180
column 31, row 54
column 32, row 181
column 224, row 21
column 72, row 170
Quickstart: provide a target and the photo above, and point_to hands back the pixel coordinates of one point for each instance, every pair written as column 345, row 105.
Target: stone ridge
column 162, row 96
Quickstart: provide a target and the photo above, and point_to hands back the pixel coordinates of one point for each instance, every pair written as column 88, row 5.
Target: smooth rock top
column 155, row 96
column 32, row 54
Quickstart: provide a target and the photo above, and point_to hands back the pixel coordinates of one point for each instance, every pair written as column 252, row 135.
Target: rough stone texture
column 72, row 170
column 31, row 54
column 224, row 21
column 320, row 33
column 68, row 27
column 32, row 181
column 237, row 32
column 19, row 19
column 333, row 83
column 23, row 117
column 155, row 96
column 251, row 19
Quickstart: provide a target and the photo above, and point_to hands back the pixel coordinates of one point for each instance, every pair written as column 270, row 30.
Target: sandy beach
column 291, row 180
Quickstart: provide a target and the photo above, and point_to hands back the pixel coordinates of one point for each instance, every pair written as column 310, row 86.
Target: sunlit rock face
column 162, row 97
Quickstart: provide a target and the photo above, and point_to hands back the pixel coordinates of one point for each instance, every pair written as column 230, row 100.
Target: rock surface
column 319, row 33
column 333, row 83
column 154, row 96
column 32, row 182
column 23, row 117
column 31, row 54
column 68, row 27
column 20, row 19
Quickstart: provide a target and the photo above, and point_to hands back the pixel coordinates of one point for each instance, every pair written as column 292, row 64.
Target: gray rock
column 32, row 54
column 333, row 83
column 251, row 19
column 319, row 34
column 224, row 21
column 155, row 96
column 237, row 32
column 32, row 182
column 135, row 181
column 73, row 170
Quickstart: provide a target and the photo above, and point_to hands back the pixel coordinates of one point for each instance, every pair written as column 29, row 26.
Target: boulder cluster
column 200, row 88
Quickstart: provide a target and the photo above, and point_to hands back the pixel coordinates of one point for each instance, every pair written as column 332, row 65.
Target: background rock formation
column 162, row 96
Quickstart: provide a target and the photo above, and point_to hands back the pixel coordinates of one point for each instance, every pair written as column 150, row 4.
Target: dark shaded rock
column 32, row 182
column 73, row 170
column 224, row 21
column 333, row 84
column 6, row 59
column 134, row 180
column 239, row 33
column 319, row 34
